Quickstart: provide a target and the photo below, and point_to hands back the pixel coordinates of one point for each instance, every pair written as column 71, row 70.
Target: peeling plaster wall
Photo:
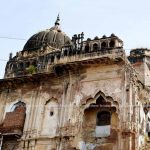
column 65, row 130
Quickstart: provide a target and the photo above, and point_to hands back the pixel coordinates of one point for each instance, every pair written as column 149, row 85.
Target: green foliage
column 31, row 69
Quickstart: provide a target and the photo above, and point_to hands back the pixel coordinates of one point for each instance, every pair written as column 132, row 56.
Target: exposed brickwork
column 14, row 121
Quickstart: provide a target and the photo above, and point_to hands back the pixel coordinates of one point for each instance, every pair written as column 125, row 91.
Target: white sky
column 128, row 19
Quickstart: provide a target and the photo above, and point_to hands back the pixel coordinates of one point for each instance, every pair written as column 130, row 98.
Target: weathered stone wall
column 55, row 109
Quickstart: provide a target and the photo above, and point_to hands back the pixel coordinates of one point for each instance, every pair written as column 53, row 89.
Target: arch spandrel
column 93, row 100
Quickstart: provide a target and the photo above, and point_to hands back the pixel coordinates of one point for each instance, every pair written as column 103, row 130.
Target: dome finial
column 57, row 22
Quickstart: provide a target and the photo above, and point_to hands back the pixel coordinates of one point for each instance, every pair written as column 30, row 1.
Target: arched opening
column 103, row 123
column 27, row 64
column 65, row 53
column 74, row 52
column 58, row 56
column 100, row 117
column 52, row 59
column 112, row 44
column 34, row 63
column 103, row 45
column 87, row 49
column 78, row 51
column 14, row 67
column 95, row 47
column 70, row 52
column 17, row 105
column 10, row 66
column 21, row 65
column 103, row 118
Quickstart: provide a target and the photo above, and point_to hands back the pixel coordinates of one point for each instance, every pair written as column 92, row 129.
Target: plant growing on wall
column 31, row 69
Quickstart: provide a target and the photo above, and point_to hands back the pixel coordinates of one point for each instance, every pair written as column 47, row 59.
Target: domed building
column 62, row 93
column 52, row 37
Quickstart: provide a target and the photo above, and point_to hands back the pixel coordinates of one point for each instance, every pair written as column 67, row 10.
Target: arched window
column 87, row 49
column 21, row 65
column 74, row 52
column 10, row 66
column 103, row 118
column 78, row 51
column 34, row 63
column 103, row 45
column 27, row 64
column 112, row 44
column 52, row 59
column 14, row 67
column 103, row 124
column 65, row 53
column 58, row 56
column 17, row 105
column 70, row 52
column 95, row 47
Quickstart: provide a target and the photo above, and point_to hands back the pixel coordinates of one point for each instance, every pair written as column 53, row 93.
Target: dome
column 53, row 37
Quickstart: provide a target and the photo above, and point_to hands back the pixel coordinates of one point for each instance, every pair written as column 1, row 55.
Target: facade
column 74, row 94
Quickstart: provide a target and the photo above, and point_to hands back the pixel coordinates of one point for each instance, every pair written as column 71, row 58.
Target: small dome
column 53, row 37
column 96, row 38
column 104, row 36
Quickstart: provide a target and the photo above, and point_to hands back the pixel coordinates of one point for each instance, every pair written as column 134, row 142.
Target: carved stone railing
column 83, row 57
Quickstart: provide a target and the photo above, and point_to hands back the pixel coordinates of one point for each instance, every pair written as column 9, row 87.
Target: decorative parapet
column 45, row 63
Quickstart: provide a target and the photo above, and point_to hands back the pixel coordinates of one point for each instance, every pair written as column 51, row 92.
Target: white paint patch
column 86, row 146
column 102, row 131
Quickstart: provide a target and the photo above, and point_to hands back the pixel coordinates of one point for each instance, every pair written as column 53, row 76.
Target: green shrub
column 31, row 69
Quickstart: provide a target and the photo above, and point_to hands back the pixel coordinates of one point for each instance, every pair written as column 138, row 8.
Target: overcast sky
column 128, row 19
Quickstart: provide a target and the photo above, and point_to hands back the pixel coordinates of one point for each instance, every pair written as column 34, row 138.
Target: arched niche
column 14, row 67
column 100, row 115
column 112, row 44
column 58, row 56
column 11, row 106
column 65, row 53
column 27, row 64
column 70, row 52
column 87, row 48
column 34, row 63
column 50, row 118
column 17, row 105
column 21, row 65
column 104, row 45
column 10, row 66
column 95, row 47
column 52, row 59
column 103, row 118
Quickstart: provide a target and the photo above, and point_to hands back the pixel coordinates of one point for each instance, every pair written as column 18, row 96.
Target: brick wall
column 14, row 121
